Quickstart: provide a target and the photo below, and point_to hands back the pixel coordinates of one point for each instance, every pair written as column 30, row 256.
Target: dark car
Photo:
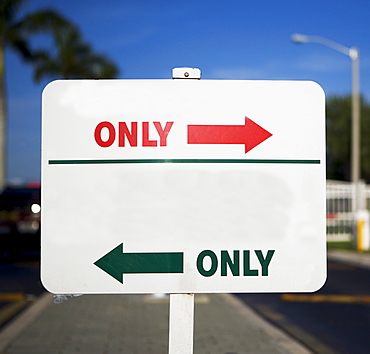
column 20, row 220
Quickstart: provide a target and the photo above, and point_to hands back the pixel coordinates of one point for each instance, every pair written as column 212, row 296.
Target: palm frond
column 43, row 21
column 9, row 9
column 18, row 43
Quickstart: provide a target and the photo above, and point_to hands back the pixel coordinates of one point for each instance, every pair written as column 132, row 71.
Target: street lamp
column 354, row 56
column 353, row 53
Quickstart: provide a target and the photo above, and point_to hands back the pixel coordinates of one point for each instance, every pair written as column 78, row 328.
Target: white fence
column 340, row 218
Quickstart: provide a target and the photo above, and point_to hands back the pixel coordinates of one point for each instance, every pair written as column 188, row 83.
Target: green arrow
column 116, row 263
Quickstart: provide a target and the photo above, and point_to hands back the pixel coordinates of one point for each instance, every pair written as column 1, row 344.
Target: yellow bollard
column 360, row 235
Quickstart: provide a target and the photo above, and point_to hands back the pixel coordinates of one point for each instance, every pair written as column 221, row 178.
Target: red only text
column 106, row 134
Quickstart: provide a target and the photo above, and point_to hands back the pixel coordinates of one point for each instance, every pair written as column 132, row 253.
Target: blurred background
column 44, row 40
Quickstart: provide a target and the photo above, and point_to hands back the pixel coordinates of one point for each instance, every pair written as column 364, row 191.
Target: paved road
column 19, row 286
column 335, row 319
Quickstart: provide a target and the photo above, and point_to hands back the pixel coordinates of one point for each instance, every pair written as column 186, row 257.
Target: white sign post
column 183, row 187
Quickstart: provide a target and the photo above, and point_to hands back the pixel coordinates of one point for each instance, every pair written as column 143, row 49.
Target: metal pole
column 356, row 150
column 355, row 163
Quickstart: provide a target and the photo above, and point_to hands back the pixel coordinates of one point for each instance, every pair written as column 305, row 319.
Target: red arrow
column 250, row 134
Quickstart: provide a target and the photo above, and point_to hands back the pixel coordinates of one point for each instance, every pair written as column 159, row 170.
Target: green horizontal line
column 143, row 161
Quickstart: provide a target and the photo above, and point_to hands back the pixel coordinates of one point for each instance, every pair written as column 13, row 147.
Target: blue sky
column 233, row 39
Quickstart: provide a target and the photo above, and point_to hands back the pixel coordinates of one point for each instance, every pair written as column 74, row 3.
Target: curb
column 356, row 259
column 21, row 322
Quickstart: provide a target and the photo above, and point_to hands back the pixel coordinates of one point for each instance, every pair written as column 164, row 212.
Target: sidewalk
column 139, row 324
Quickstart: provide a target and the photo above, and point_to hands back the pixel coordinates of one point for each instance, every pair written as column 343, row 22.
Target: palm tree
column 72, row 58
column 14, row 33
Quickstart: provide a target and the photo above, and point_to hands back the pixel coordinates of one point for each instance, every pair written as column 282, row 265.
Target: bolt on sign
column 183, row 186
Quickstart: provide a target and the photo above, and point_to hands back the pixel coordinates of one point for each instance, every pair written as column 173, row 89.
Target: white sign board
column 183, row 186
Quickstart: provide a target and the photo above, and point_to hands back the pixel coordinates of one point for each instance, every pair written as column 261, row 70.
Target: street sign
column 183, row 186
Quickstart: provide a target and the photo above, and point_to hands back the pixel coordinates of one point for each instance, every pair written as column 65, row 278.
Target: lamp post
column 353, row 54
